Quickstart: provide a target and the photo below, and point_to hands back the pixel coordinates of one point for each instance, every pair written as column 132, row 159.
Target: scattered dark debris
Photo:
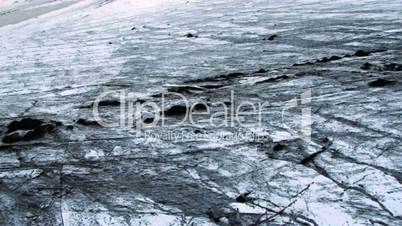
column 278, row 147
column 392, row 67
column 381, row 83
column 385, row 67
column 28, row 129
column 86, row 122
column 358, row 53
column 366, row 66
column 326, row 59
column 271, row 37
column 190, row 35
column 176, row 110
column 322, row 60
column 242, row 198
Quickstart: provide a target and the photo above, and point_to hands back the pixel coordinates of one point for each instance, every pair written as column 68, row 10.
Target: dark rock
column 200, row 107
column 157, row 95
column 326, row 140
column 260, row 71
column 242, row 198
column 46, row 127
column 24, row 124
column 86, row 122
column 113, row 103
column 324, row 60
column 38, row 132
column 366, row 66
column 28, row 134
column 361, row 53
column 56, row 123
column 14, row 137
column 381, row 83
column 189, row 35
column 335, row 58
column 227, row 103
column 392, row 67
column 218, row 78
column 278, row 147
column 232, row 75
column 104, row 103
column 197, row 131
column 271, row 38
column 149, row 120
column 133, row 28
column 176, row 110
column 110, row 43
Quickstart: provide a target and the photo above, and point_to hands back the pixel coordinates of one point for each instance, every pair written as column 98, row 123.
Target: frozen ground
column 56, row 57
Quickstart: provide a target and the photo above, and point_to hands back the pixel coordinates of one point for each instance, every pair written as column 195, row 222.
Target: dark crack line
column 397, row 175
column 61, row 193
column 282, row 211
column 324, row 173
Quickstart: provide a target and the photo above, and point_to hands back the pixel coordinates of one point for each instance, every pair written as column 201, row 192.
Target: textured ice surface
column 56, row 57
